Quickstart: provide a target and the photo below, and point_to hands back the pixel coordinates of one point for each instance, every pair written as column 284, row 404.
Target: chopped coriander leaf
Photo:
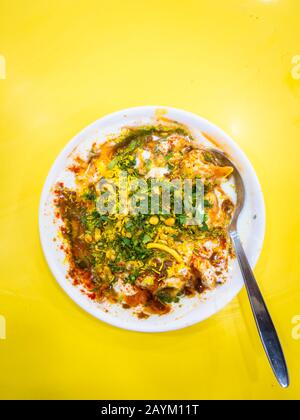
column 90, row 195
column 208, row 157
column 146, row 239
column 208, row 204
column 181, row 219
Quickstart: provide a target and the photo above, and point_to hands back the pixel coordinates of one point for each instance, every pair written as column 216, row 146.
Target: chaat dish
column 131, row 235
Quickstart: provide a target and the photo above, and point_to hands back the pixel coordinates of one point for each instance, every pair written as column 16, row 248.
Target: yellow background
column 68, row 64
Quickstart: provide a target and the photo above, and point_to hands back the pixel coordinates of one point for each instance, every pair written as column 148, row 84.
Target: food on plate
column 135, row 253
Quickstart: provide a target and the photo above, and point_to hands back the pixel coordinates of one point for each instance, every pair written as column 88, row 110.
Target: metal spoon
column 261, row 314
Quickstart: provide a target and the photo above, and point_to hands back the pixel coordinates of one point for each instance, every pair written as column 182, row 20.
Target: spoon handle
column 262, row 317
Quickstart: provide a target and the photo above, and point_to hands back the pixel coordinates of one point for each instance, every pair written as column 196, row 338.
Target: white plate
column 193, row 310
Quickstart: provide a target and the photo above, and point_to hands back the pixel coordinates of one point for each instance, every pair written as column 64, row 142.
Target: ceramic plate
column 192, row 310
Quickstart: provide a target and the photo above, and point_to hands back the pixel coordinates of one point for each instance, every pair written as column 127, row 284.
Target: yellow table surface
column 69, row 63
